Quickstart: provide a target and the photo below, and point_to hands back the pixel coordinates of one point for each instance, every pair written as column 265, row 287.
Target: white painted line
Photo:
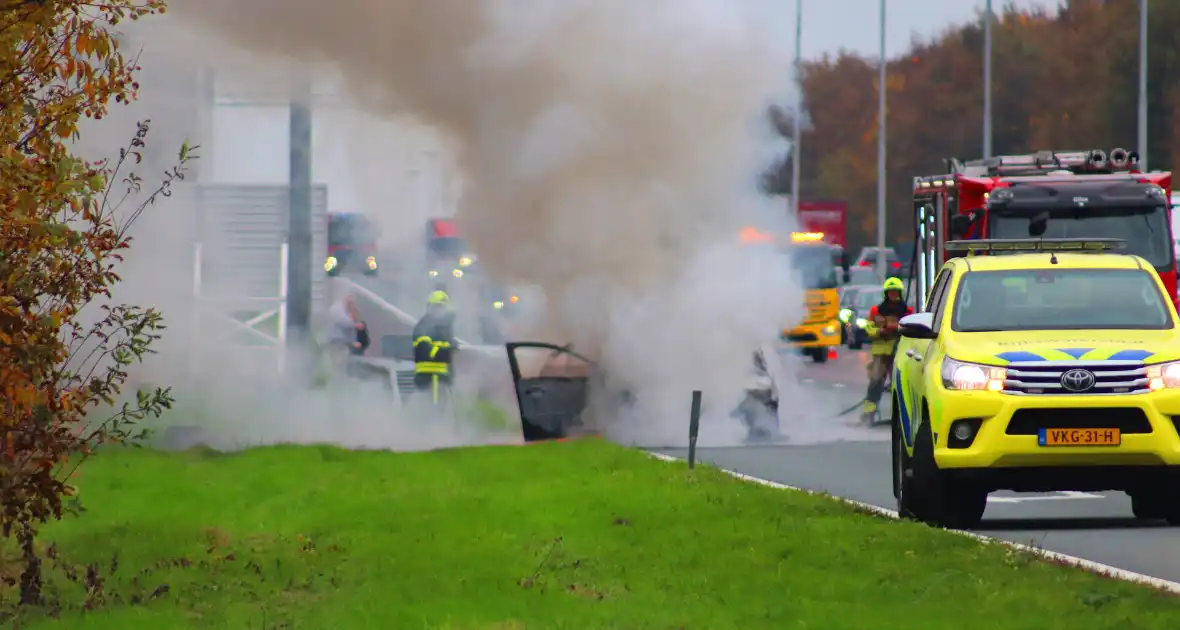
column 1098, row 568
column 838, row 385
column 1060, row 496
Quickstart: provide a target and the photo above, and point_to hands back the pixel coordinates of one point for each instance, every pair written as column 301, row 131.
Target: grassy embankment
column 575, row 535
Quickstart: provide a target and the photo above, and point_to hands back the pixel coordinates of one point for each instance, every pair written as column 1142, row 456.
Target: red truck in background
column 827, row 216
column 1063, row 194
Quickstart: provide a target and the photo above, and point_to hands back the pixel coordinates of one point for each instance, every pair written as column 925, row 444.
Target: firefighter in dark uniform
column 434, row 348
column 882, row 329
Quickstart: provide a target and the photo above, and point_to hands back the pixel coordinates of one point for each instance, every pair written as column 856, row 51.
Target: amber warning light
column 807, row 237
column 753, row 235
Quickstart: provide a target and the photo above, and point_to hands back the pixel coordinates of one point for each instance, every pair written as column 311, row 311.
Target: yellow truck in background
column 816, row 262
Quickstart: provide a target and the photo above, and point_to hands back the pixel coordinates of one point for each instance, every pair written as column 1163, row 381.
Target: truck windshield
column 350, row 231
column 447, row 247
column 1059, row 299
column 869, row 298
column 814, row 263
column 1145, row 229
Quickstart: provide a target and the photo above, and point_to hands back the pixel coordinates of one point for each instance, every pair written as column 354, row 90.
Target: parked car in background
column 854, row 312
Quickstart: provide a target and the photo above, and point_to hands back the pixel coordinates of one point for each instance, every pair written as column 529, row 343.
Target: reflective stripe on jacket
column 882, row 343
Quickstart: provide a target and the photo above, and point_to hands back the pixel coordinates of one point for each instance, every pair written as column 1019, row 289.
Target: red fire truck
column 826, row 216
column 1051, row 194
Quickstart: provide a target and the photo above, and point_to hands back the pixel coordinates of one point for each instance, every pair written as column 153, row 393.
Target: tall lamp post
column 881, row 171
column 797, row 130
column 988, row 19
column 1143, row 85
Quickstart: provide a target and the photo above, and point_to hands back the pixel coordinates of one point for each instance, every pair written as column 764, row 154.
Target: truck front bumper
column 822, row 335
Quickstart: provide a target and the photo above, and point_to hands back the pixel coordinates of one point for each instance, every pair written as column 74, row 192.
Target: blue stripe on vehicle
column 1130, row 355
column 1016, row 357
column 1075, row 352
column 905, row 412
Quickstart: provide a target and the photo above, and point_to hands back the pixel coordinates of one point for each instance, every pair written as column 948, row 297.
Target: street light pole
column 1143, row 85
column 988, row 18
column 881, row 171
column 797, row 131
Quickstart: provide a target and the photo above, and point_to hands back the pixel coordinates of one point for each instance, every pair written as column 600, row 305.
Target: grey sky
column 829, row 25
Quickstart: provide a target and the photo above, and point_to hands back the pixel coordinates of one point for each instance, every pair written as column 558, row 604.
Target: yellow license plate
column 1079, row 437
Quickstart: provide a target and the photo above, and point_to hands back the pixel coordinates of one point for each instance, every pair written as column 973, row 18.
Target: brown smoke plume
column 609, row 150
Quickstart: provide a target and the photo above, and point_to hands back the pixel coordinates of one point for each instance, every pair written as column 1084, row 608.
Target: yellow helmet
column 893, row 284
column 439, row 297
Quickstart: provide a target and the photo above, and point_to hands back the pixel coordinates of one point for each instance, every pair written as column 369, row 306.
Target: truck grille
column 1045, row 377
column 799, row 338
column 1125, row 419
column 820, row 309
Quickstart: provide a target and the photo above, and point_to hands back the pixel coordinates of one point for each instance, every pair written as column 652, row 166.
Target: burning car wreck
column 563, row 394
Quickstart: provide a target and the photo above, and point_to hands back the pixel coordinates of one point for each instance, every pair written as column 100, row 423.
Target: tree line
column 1064, row 79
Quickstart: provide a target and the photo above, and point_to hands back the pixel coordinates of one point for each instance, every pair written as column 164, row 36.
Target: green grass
column 577, row 535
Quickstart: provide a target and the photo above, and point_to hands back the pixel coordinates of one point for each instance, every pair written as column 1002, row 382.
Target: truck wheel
column 1160, row 500
column 1144, row 508
column 911, row 492
column 943, row 501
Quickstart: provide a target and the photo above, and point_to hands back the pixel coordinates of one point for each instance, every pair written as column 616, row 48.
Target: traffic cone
column 831, row 354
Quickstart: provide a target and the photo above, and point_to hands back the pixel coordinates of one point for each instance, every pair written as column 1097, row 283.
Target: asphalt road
column 853, row 461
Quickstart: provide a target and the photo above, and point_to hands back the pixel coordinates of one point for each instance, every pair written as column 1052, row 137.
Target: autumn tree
column 1062, row 79
column 64, row 347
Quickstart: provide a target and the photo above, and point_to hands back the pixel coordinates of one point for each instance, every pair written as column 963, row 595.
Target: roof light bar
column 1050, row 162
column 1037, row 245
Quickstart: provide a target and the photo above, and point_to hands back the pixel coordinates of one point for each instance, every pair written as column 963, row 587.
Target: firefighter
column 882, row 329
column 434, row 347
column 344, row 333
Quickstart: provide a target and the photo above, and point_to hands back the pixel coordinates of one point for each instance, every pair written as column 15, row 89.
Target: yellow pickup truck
column 1038, row 365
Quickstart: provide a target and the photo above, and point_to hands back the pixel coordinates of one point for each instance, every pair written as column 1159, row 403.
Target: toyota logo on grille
column 1078, row 380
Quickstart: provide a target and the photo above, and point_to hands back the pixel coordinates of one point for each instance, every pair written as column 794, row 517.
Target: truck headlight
column 1163, row 375
column 432, row 273
column 845, row 315
column 829, row 330
column 331, row 263
column 972, row 376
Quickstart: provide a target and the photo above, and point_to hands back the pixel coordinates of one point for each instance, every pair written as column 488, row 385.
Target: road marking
column 1098, row 568
column 1057, row 496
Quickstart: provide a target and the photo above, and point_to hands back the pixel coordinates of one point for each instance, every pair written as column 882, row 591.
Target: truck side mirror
column 961, row 225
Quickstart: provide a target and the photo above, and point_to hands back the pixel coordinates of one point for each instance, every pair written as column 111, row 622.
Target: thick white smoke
column 609, row 152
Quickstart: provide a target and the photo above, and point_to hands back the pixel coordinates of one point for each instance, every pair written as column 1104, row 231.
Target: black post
column 299, row 255
column 694, row 427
